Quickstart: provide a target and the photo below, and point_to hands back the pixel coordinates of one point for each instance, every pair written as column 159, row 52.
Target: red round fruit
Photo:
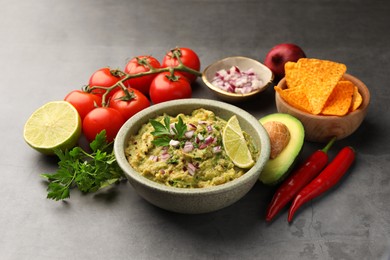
column 187, row 56
column 84, row 102
column 139, row 65
column 102, row 118
column 166, row 87
column 103, row 78
column 129, row 106
column 279, row 55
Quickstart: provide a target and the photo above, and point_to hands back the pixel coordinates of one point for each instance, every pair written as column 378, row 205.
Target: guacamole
column 185, row 151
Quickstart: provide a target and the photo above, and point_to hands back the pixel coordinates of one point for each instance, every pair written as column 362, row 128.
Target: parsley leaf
column 164, row 133
column 88, row 172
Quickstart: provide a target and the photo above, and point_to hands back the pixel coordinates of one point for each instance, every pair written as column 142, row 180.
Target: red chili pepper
column 297, row 180
column 325, row 180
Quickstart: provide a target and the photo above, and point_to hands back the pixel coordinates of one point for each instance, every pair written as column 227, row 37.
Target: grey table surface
column 49, row 48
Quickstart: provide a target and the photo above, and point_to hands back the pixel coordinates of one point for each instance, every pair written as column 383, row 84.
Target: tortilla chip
column 295, row 97
column 340, row 100
column 319, row 79
column 356, row 100
column 292, row 76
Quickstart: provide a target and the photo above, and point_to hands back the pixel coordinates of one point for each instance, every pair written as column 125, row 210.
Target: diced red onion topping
column 153, row 158
column 209, row 139
column 236, row 81
column 189, row 134
column 191, row 169
column 164, row 156
column 174, row 143
column 217, row 149
column 192, row 126
column 188, row 147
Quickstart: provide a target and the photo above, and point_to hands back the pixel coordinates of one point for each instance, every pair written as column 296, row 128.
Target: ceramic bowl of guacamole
column 175, row 157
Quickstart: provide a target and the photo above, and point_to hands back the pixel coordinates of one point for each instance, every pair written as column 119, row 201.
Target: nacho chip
column 293, row 79
column 317, row 79
column 340, row 100
column 356, row 100
column 295, row 97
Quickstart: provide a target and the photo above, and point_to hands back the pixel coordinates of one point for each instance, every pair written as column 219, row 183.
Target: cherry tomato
column 102, row 118
column 129, row 106
column 84, row 102
column 187, row 56
column 139, row 65
column 164, row 87
column 103, row 78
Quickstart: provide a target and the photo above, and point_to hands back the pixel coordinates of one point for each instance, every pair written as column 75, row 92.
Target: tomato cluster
column 113, row 96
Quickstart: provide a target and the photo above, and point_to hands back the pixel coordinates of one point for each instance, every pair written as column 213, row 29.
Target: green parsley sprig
column 164, row 133
column 87, row 171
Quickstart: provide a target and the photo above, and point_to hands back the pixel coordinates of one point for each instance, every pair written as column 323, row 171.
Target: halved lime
column 235, row 144
column 56, row 124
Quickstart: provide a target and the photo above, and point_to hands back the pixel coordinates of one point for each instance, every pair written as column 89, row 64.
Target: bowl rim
column 121, row 141
column 362, row 108
column 237, row 95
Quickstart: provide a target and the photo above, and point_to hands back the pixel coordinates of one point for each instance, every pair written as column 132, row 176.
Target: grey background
column 48, row 48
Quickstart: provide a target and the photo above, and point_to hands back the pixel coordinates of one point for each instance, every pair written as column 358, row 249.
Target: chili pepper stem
column 329, row 144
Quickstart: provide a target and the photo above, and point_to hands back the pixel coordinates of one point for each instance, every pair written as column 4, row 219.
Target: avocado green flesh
column 276, row 169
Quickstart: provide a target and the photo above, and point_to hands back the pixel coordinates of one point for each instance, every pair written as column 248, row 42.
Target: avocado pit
column 279, row 136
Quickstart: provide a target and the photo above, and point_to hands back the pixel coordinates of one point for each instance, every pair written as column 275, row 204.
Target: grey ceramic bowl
column 197, row 200
column 244, row 63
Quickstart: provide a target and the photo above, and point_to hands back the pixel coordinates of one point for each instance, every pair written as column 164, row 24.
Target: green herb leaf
column 88, row 172
column 164, row 133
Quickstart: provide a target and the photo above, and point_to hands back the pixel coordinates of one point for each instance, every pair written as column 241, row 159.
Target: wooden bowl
column 319, row 128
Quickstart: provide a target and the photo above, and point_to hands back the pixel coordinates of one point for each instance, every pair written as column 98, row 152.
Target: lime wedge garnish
column 235, row 144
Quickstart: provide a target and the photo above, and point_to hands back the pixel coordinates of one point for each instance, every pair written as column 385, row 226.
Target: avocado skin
column 278, row 168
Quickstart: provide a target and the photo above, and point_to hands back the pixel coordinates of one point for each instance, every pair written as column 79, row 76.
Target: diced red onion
column 192, row 126
column 217, row 149
column 188, row 147
column 172, row 126
column 200, row 137
column 236, row 81
column 189, row 134
column 174, row 143
column 209, row 128
column 153, row 158
column 191, row 169
column 209, row 139
column 164, row 156
column 202, row 146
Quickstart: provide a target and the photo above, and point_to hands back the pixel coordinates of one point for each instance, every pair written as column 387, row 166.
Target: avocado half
column 276, row 169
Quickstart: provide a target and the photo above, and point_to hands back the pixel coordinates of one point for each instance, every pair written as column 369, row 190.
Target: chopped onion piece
column 165, row 156
column 174, row 143
column 217, row 149
column 209, row 139
column 192, row 126
column 189, row 134
column 188, row 147
column 153, row 158
column 191, row 169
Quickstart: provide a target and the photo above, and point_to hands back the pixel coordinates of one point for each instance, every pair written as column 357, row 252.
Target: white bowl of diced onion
column 237, row 78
